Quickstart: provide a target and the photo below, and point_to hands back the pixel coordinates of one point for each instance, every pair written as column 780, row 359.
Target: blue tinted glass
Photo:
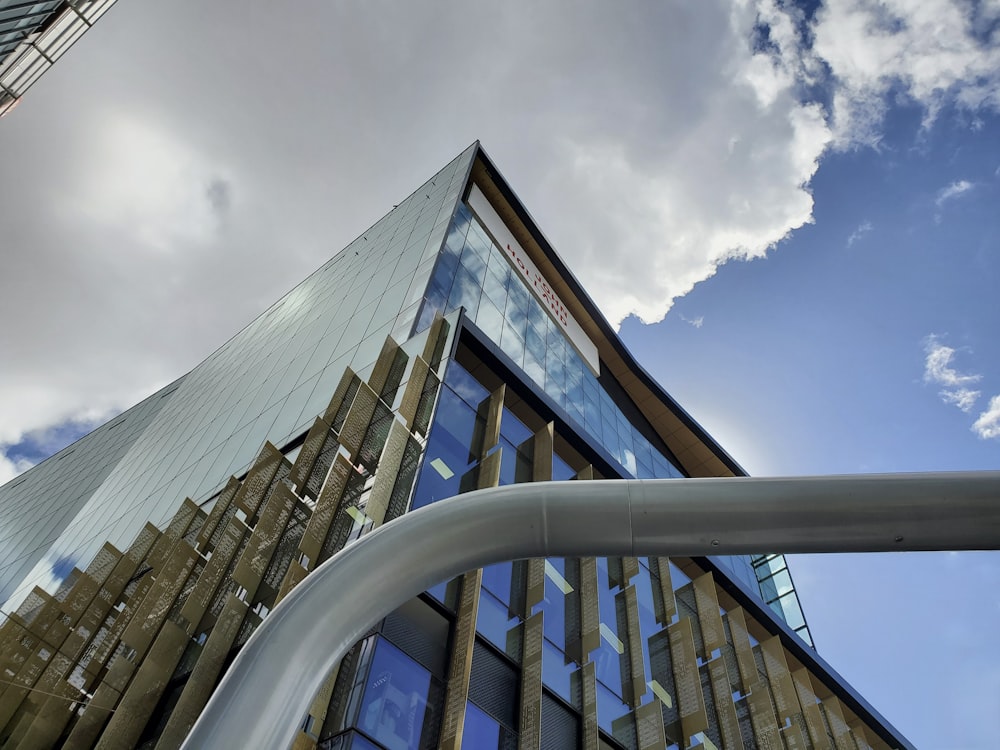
column 537, row 316
column 511, row 343
column 497, row 579
column 609, row 657
column 395, row 699
column 560, row 673
column 360, row 743
column 465, row 293
column 481, row 732
column 561, row 470
column 448, row 454
column 536, row 343
column 496, row 289
column 612, row 716
column 495, row 623
column 518, row 295
column 465, row 386
column 455, row 240
column 513, row 428
column 515, row 465
column 473, row 262
column 478, row 241
column 489, row 319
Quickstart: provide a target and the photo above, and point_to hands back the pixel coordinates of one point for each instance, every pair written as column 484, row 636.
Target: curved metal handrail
column 272, row 682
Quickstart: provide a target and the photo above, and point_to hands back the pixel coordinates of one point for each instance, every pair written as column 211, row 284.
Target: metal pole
column 273, row 680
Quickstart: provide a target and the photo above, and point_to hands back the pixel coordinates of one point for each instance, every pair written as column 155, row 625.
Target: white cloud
column 696, row 322
column 684, row 139
column 937, row 366
column 929, row 51
column 952, row 191
column 863, row 228
column 11, row 467
column 988, row 423
column 963, row 398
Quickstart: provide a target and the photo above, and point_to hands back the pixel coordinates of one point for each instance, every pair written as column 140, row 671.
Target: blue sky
column 802, row 205
column 830, row 357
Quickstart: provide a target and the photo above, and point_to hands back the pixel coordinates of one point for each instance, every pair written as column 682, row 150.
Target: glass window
column 395, row 701
column 449, row 456
column 560, row 673
column 481, row 732
column 495, row 623
column 465, row 293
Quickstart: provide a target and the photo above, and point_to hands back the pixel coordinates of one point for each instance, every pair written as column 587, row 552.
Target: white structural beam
column 272, row 682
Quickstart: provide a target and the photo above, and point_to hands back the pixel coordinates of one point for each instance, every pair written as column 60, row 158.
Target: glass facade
column 33, row 35
column 473, row 273
column 269, row 381
column 67, row 480
column 608, row 653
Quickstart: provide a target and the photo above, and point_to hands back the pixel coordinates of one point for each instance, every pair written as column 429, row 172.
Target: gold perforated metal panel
column 690, row 698
column 531, row 684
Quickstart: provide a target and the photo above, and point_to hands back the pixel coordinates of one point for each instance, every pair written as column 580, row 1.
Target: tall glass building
column 36, row 33
column 446, row 349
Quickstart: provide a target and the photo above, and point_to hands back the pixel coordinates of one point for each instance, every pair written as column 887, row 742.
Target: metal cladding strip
column 271, row 684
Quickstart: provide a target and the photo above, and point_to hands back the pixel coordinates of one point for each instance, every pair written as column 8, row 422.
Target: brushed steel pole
column 269, row 687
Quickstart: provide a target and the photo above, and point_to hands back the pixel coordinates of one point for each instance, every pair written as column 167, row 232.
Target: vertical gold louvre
column 707, row 602
column 217, row 514
column 251, row 494
column 460, row 671
column 385, row 477
column 694, row 718
column 536, row 582
column 383, row 365
column 638, row 671
column 337, row 400
column 588, row 690
column 358, row 418
column 765, row 726
column 590, row 615
column 168, row 613
column 810, row 707
column 729, row 725
column 649, row 727
column 542, row 446
column 741, row 645
column 667, row 606
column 309, row 452
column 490, row 411
column 326, row 508
column 838, row 724
column 530, row 736
column 413, row 390
column 250, row 569
column 785, row 700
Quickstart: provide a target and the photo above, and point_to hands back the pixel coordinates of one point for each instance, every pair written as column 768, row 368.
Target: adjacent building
column 36, row 33
column 447, row 348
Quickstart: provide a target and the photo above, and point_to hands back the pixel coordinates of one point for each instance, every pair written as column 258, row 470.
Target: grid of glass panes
column 778, row 591
column 472, row 272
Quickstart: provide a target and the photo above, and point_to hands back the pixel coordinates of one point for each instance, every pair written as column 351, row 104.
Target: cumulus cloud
column 988, row 424
column 688, row 136
column 933, row 53
column 937, row 366
column 11, row 467
column 863, row 228
column 963, row 398
column 696, row 322
column 938, row 370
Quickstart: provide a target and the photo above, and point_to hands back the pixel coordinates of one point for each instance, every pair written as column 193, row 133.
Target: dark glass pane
column 481, row 732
